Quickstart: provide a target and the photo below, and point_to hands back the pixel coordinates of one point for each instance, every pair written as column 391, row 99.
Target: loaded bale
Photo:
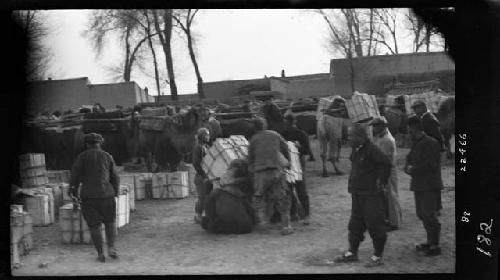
column 105, row 115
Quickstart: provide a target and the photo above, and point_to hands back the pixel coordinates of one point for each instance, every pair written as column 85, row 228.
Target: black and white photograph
column 255, row 141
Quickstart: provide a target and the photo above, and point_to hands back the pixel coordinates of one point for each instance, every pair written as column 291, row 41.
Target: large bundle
column 32, row 170
column 220, row 155
column 21, row 234
column 73, row 226
column 325, row 103
column 154, row 123
column 362, row 107
column 41, row 208
column 295, row 172
column 58, row 176
column 154, row 112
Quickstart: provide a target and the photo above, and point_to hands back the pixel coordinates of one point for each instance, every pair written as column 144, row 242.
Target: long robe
column 388, row 145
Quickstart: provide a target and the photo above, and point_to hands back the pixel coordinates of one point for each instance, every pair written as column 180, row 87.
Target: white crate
column 58, row 176
column 122, row 210
column 41, row 208
column 142, row 182
column 177, row 191
column 159, row 185
column 74, row 229
column 178, row 178
column 31, row 160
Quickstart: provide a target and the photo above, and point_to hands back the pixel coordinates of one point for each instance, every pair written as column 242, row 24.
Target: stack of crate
column 21, row 234
column 32, row 170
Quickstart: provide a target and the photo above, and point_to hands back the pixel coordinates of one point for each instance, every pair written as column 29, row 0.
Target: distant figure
column 423, row 164
column 283, row 73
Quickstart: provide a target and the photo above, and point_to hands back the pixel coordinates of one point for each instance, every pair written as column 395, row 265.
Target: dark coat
column 425, row 157
column 369, row 164
column 432, row 127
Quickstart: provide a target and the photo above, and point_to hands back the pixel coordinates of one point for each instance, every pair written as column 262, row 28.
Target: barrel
column 32, row 170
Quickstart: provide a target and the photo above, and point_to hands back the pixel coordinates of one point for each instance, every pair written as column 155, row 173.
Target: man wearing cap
column 431, row 127
column 294, row 134
column 268, row 156
column 423, row 164
column 369, row 175
column 95, row 170
column 203, row 185
column 384, row 140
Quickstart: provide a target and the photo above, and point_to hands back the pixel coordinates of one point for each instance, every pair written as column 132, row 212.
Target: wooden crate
column 240, row 144
column 178, row 178
column 128, row 179
column 177, row 191
column 33, row 176
column 159, row 182
column 41, row 208
column 74, row 229
column 191, row 175
column 58, row 176
column 143, row 185
column 362, row 107
column 122, row 209
column 31, row 160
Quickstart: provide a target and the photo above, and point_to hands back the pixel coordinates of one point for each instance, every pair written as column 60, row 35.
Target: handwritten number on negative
column 481, row 238
column 485, row 227
column 462, row 136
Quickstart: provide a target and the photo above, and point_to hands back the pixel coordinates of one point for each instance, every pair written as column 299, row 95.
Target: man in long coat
column 385, row 141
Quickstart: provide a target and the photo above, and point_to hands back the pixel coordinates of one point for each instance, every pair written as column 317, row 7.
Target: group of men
column 252, row 190
column 373, row 184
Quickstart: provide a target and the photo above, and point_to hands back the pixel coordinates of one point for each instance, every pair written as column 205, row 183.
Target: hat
column 93, row 138
column 379, row 121
column 418, row 103
column 289, row 117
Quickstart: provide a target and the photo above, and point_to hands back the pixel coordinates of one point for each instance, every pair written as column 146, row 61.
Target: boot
column 95, row 234
column 110, row 237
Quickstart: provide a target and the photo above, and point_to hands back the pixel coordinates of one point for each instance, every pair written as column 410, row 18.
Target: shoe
column 344, row 258
column 422, row 247
column 374, row 261
column 101, row 258
column 432, row 252
column 112, row 253
column 287, row 231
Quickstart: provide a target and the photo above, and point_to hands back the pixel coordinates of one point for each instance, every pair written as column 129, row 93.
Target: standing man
column 268, row 155
column 203, row 185
column 369, row 176
column 423, row 164
column 431, row 127
column 95, row 170
column 294, row 134
column 384, row 140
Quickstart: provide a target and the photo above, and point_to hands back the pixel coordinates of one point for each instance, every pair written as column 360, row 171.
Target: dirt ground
column 162, row 238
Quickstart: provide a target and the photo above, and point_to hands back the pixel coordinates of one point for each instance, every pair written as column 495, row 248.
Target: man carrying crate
column 267, row 157
column 203, row 185
column 95, row 169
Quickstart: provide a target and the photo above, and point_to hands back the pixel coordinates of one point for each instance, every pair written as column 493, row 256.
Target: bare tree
column 36, row 30
column 388, row 19
column 184, row 19
column 352, row 31
column 165, row 36
column 423, row 34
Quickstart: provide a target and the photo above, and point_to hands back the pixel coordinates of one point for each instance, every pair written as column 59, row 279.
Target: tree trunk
column 165, row 38
column 201, row 93
column 167, row 17
column 150, row 42
column 126, row 70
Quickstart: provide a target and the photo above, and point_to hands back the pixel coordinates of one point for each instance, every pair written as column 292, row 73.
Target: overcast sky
column 232, row 44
